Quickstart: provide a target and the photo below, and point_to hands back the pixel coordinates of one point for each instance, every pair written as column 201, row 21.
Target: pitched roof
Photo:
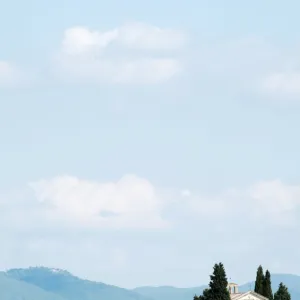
column 241, row 295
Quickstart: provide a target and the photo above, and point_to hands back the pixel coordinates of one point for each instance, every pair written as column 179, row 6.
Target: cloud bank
column 135, row 53
column 128, row 202
column 282, row 84
column 134, row 202
column 114, row 222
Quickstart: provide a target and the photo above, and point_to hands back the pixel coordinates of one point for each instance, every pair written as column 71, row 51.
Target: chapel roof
column 237, row 296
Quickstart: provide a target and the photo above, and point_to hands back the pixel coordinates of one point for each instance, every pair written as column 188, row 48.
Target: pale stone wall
column 249, row 297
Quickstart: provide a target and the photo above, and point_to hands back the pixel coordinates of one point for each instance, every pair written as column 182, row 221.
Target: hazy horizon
column 249, row 282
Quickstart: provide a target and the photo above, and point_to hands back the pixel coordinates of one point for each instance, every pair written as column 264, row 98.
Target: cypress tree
column 282, row 293
column 267, row 288
column 259, row 282
column 205, row 296
column 218, row 283
column 217, row 289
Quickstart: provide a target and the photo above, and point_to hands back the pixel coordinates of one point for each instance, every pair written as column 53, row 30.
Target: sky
column 144, row 141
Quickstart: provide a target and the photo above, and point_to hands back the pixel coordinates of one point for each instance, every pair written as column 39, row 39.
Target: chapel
column 250, row 295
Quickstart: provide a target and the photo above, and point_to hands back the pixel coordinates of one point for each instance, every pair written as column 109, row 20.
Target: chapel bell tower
column 233, row 288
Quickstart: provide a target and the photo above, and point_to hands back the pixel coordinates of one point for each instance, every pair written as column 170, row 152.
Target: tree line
column 264, row 288
column 218, row 286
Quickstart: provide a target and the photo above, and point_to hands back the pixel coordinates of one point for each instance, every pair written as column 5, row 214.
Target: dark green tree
column 267, row 288
column 282, row 293
column 259, row 282
column 217, row 289
column 205, row 295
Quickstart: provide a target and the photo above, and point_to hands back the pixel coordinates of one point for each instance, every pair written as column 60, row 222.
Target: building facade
column 250, row 295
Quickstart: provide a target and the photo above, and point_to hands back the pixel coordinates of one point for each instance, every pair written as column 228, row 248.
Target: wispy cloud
column 282, row 84
column 134, row 53
column 134, row 202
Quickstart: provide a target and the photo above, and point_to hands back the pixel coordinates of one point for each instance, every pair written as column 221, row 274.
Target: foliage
column 282, row 293
column 217, row 289
column 267, row 288
column 259, row 282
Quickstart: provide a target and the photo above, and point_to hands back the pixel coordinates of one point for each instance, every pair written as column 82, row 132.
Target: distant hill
column 55, row 284
column 12, row 289
column 173, row 293
column 169, row 292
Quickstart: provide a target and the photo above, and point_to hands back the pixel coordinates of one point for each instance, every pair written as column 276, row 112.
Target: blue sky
column 150, row 139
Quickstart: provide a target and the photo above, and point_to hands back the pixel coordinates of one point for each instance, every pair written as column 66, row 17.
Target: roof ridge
column 240, row 295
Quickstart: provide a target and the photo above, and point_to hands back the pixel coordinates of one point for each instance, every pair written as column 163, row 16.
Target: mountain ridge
column 192, row 287
column 162, row 292
column 67, row 286
column 42, row 283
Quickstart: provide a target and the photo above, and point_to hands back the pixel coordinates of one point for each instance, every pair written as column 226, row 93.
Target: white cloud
column 132, row 53
column 270, row 203
column 78, row 218
column 129, row 202
column 135, row 202
column 282, row 84
column 79, row 40
column 143, row 36
column 276, row 201
column 138, row 71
